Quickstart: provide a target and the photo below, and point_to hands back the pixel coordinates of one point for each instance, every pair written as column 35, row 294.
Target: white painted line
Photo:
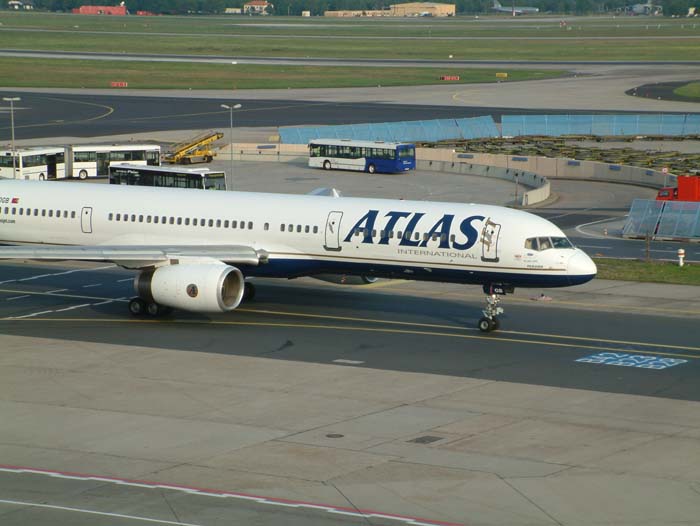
column 123, row 280
column 93, row 512
column 348, row 362
column 269, row 501
column 18, row 297
column 8, row 281
column 105, row 302
column 65, row 273
column 93, row 285
column 29, row 315
column 73, row 307
column 593, row 246
column 57, row 290
column 586, row 234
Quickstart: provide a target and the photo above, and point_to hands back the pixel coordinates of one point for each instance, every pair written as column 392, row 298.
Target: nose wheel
column 490, row 322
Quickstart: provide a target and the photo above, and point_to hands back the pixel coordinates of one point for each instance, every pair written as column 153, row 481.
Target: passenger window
column 133, row 218
column 242, row 225
column 187, row 221
column 211, row 223
column 194, row 221
column 399, row 234
column 282, row 228
column 119, row 217
column 72, row 215
column 179, row 220
column 250, row 225
column 172, row 220
column 291, row 228
column 148, row 219
column 226, row 223
column 267, row 226
column 315, row 230
column 202, row 222
column 140, row 218
column 36, row 212
column 156, row 219
column 164, row 220
column 21, row 211
column 58, row 213
column 110, row 217
column 234, row 224
column 218, row 223
column 298, row 228
column 50, row 212
column 452, row 238
column 65, row 214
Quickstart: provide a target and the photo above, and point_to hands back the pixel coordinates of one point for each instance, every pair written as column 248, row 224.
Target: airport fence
column 405, row 131
column 670, row 220
column 600, row 125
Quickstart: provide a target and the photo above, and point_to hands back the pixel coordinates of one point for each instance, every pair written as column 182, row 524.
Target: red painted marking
column 222, row 492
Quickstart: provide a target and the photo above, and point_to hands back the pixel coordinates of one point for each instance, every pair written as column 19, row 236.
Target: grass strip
column 690, row 90
column 50, row 73
column 653, row 272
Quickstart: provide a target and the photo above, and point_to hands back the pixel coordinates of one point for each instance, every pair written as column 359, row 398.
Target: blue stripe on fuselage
column 295, row 268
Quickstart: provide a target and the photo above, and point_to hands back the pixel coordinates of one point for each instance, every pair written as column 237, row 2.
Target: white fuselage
column 303, row 235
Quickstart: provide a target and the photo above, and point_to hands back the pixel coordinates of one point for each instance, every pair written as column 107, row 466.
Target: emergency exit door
column 333, row 231
column 86, row 220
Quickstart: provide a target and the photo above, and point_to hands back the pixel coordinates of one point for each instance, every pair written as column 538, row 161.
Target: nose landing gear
column 490, row 322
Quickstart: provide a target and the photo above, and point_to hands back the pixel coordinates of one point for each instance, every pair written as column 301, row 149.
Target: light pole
column 230, row 109
column 12, row 101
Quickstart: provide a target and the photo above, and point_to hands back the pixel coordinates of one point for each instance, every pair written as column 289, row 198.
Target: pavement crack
column 351, row 503
column 551, row 517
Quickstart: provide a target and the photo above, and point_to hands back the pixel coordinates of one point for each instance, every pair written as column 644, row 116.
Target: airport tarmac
column 319, row 403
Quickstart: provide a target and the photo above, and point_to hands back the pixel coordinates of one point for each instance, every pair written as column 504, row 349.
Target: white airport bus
column 166, row 176
column 81, row 161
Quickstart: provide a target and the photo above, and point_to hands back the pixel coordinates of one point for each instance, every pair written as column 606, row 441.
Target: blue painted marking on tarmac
column 632, row 360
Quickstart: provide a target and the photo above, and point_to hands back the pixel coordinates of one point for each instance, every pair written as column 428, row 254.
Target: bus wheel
column 327, row 165
column 208, row 159
column 41, row 177
column 82, row 174
column 371, row 168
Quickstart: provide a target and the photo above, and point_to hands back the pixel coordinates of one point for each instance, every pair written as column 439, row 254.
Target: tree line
column 317, row 7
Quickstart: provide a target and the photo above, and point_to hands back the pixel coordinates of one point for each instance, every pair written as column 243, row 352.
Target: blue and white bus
column 363, row 156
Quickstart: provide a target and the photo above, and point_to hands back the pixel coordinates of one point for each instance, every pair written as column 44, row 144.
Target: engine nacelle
column 343, row 279
column 210, row 287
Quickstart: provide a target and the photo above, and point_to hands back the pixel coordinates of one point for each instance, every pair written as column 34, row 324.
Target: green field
column 463, row 38
column 654, row 272
column 690, row 90
column 181, row 75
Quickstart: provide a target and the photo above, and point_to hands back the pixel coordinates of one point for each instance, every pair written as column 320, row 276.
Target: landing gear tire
column 154, row 309
column 326, row 165
column 137, row 307
column 486, row 325
column 248, row 291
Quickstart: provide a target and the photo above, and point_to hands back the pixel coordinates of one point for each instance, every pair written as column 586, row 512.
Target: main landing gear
column 140, row 307
column 490, row 322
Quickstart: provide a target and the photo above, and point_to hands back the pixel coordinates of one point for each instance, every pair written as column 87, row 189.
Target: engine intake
column 211, row 287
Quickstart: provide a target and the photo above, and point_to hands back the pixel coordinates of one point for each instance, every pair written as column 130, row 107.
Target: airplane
column 195, row 250
column 514, row 10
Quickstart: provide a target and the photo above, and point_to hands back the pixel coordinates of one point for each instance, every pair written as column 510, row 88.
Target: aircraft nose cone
column 581, row 268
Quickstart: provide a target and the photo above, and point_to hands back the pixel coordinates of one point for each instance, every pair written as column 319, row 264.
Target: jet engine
column 211, row 287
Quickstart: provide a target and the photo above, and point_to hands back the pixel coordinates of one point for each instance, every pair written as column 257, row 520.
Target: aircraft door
column 333, row 231
column 489, row 241
column 86, row 220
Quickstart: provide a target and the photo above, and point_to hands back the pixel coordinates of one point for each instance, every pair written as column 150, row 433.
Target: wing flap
column 135, row 256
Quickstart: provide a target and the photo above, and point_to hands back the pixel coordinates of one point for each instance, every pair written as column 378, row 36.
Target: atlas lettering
column 409, row 223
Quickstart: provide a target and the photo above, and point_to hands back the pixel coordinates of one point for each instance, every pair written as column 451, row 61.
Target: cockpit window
column 545, row 243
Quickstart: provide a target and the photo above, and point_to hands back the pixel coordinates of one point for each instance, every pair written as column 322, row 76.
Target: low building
column 351, row 13
column 257, row 7
column 18, row 4
column 117, row 10
column 233, row 11
column 423, row 9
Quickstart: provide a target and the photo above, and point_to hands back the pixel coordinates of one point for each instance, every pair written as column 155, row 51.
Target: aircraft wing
column 140, row 256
